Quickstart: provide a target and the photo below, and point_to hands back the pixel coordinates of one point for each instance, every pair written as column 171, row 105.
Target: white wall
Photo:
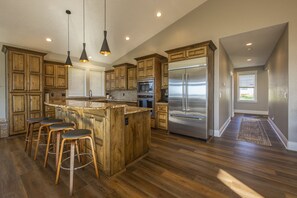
column 217, row 19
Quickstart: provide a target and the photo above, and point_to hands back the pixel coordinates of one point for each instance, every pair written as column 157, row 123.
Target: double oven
column 146, row 95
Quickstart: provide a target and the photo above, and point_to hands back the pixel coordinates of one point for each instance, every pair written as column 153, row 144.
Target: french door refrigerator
column 189, row 111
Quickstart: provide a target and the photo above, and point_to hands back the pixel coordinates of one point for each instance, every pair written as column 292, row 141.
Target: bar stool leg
column 58, row 147
column 60, row 161
column 72, row 149
column 30, row 139
column 94, row 157
column 27, row 136
column 37, row 141
column 77, row 151
column 47, row 147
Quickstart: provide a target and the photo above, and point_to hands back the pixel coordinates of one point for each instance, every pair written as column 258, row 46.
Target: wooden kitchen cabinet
column 162, row 116
column 25, row 87
column 192, row 51
column 132, row 78
column 55, row 75
column 120, row 78
column 149, row 66
column 164, row 78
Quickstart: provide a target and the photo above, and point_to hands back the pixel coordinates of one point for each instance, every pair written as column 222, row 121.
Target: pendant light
column 68, row 62
column 84, row 57
column 105, row 49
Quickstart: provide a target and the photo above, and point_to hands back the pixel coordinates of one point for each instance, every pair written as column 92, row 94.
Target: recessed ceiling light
column 249, row 59
column 249, row 44
column 90, row 57
column 159, row 14
column 48, row 39
column 127, row 38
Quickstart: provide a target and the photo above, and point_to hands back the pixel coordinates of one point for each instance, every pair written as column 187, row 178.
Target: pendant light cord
column 68, row 32
column 105, row 15
column 84, row 32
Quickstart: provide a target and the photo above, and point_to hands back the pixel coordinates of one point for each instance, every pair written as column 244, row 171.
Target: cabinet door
column 117, row 77
column 112, row 81
column 177, row 56
column 107, row 81
column 162, row 120
column 123, row 78
column 149, row 67
column 132, row 78
column 196, row 52
column 18, row 113
column 34, row 65
column 34, row 105
column 165, row 75
column 61, row 76
column 49, row 75
column 17, row 71
column 140, row 69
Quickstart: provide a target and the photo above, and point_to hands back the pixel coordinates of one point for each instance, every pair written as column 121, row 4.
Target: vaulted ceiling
column 28, row 23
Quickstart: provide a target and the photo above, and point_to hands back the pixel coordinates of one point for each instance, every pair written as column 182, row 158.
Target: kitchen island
column 122, row 133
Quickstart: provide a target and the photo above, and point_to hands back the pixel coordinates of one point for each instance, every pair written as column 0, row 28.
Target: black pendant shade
column 68, row 62
column 105, row 48
column 84, row 56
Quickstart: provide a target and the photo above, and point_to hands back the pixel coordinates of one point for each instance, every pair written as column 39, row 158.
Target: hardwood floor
column 176, row 166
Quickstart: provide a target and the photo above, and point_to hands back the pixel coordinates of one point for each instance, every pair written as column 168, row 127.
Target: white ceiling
column 28, row 22
column 263, row 42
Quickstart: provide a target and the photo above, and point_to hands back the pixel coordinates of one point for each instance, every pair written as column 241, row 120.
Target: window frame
column 255, row 88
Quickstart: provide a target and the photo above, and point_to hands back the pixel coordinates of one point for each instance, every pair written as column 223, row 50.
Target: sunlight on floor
column 236, row 186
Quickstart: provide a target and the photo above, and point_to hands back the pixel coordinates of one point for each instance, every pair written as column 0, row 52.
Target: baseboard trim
column 251, row 112
column 219, row 133
column 292, row 146
column 278, row 132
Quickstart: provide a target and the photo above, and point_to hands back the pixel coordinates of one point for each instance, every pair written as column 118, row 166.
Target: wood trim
column 196, row 45
column 155, row 55
column 53, row 62
column 128, row 65
column 6, row 48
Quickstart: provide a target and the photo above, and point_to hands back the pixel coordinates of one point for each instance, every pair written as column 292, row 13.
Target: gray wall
column 278, row 84
column 262, row 90
column 225, row 86
column 217, row 19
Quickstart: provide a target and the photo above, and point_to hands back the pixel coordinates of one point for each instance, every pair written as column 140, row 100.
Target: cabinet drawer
column 162, row 108
column 177, row 56
column 49, row 108
column 162, row 117
column 162, row 125
column 196, row 52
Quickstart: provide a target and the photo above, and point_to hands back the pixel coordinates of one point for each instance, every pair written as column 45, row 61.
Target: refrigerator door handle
column 183, row 92
column 196, row 117
column 187, row 93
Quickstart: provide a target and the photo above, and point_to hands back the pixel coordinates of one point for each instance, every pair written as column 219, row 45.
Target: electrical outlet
column 123, row 94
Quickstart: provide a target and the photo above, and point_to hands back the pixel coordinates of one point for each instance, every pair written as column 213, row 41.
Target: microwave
column 145, row 87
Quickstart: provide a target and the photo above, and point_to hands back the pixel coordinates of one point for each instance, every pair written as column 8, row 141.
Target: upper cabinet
column 123, row 77
column 192, row 51
column 149, row 66
column 55, row 75
column 24, row 70
column 164, row 78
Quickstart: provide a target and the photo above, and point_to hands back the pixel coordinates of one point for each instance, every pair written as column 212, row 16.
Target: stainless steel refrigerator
column 190, row 108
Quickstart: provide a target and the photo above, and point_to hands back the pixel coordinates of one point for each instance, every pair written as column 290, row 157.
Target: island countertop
column 97, row 105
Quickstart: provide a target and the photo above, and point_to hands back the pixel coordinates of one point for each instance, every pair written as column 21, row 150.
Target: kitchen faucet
column 90, row 94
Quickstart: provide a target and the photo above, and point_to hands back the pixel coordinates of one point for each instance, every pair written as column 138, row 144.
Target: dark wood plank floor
column 175, row 167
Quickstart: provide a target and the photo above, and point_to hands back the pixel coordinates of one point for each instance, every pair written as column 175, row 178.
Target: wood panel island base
column 122, row 133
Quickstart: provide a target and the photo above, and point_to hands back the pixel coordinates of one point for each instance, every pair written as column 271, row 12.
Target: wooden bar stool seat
column 74, row 136
column 57, row 129
column 44, row 124
column 29, row 133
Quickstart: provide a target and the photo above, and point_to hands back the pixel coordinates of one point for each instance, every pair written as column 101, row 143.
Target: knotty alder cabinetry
column 164, row 82
column 123, row 77
column 55, row 75
column 25, row 87
column 162, row 116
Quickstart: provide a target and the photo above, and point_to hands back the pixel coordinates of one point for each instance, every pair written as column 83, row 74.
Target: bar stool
column 57, row 128
column 74, row 136
column 44, row 124
column 29, row 133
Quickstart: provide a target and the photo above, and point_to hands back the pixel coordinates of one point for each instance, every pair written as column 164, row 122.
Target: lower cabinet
column 162, row 116
column 23, row 106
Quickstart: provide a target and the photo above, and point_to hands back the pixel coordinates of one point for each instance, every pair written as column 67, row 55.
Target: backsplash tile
column 128, row 95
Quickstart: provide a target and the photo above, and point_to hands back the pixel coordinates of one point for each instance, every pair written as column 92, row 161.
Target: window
column 77, row 82
column 96, row 83
column 247, row 86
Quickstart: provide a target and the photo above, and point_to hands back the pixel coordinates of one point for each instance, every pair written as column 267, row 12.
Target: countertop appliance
column 188, row 98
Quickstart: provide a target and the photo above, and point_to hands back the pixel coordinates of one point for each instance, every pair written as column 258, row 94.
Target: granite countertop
column 162, row 102
column 97, row 105
column 117, row 100
column 85, row 104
